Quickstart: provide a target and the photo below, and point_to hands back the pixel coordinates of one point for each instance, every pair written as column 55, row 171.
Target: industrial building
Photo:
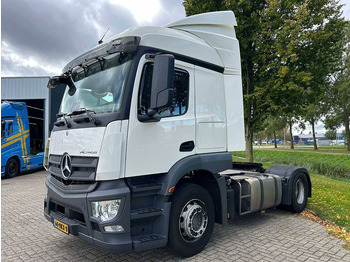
column 42, row 104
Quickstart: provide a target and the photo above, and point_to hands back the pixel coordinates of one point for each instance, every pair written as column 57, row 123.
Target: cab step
column 145, row 189
column 149, row 241
column 145, row 213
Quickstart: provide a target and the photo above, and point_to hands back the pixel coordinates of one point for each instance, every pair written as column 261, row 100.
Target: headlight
column 105, row 210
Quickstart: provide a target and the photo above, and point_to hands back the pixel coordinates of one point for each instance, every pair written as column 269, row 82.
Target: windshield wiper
column 64, row 118
column 88, row 112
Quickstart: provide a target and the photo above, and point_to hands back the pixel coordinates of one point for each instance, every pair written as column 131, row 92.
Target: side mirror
column 63, row 80
column 162, row 82
column 53, row 82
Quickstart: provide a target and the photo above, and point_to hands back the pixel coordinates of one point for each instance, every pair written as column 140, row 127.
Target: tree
column 338, row 95
column 247, row 14
column 331, row 134
column 282, row 32
column 275, row 38
column 312, row 115
column 302, row 47
column 275, row 124
column 320, row 56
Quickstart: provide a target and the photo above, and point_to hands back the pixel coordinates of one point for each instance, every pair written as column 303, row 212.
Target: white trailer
column 139, row 157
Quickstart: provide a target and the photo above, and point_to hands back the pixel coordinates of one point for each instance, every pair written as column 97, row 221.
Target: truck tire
column 192, row 219
column 11, row 168
column 299, row 192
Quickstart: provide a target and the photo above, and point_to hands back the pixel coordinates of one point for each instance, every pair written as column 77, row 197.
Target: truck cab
column 15, row 141
column 145, row 128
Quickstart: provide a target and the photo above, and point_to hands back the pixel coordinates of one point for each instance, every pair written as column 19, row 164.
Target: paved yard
column 273, row 236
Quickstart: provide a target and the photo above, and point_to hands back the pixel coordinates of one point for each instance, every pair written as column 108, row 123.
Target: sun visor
column 127, row 45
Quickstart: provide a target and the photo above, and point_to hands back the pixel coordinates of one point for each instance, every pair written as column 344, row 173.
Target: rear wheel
column 11, row 168
column 299, row 192
column 191, row 220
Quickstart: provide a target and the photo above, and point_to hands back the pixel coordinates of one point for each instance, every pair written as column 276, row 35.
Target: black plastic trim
column 287, row 174
column 248, row 166
column 81, row 203
column 211, row 162
column 188, row 59
column 127, row 44
column 187, row 146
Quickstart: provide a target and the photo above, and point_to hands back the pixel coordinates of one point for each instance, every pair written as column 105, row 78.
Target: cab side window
column 180, row 100
column 6, row 128
column 10, row 127
column 3, row 129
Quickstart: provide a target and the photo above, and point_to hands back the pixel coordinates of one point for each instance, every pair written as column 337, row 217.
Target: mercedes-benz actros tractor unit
column 139, row 157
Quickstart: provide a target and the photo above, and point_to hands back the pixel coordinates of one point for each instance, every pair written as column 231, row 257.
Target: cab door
column 154, row 147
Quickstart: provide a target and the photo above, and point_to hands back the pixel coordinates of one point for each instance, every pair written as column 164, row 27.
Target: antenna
column 101, row 41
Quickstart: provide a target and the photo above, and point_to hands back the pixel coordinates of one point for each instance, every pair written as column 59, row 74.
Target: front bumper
column 74, row 209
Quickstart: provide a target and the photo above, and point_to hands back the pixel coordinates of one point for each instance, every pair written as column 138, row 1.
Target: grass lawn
column 331, row 165
column 321, row 149
column 330, row 198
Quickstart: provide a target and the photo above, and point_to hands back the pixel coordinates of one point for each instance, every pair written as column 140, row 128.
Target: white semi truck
column 139, row 157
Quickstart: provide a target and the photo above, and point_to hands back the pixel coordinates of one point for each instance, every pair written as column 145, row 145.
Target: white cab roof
column 209, row 37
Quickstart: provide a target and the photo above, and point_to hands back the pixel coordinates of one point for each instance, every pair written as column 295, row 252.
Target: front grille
column 83, row 168
column 69, row 186
column 72, row 182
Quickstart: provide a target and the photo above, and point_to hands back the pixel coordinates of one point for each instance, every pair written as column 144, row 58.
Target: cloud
column 39, row 37
column 15, row 62
column 42, row 36
column 143, row 11
column 346, row 9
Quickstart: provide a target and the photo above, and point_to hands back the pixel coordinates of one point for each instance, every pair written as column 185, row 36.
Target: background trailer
column 42, row 104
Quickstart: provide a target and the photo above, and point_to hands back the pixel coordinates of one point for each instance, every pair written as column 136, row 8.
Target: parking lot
column 273, row 236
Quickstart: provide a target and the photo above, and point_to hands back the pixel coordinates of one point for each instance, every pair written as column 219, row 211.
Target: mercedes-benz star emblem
column 66, row 166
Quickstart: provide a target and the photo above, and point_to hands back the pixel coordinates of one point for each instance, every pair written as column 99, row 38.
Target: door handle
column 187, row 146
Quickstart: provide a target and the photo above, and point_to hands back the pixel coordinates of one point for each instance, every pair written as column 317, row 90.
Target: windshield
column 99, row 86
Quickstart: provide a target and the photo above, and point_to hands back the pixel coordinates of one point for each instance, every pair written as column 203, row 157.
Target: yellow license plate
column 61, row 226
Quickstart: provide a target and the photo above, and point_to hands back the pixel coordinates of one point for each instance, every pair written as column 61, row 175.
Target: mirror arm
column 86, row 70
column 147, row 118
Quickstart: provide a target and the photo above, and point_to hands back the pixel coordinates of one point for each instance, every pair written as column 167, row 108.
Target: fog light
column 105, row 210
column 117, row 228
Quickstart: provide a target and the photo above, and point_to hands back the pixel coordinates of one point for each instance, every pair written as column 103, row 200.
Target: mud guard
column 287, row 174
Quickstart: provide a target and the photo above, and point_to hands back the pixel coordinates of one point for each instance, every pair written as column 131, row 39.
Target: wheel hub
column 193, row 220
column 300, row 191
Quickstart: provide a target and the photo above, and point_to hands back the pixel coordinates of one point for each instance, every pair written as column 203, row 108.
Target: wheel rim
column 300, row 191
column 193, row 220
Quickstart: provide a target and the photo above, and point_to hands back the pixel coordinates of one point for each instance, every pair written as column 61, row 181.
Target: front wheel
column 191, row 220
column 300, row 192
column 11, row 168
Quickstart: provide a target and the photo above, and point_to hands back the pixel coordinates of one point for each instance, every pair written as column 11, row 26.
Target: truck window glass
column 2, row 129
column 99, row 86
column 10, row 127
column 180, row 100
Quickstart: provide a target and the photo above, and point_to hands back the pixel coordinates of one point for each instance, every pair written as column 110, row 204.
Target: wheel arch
column 202, row 170
column 16, row 157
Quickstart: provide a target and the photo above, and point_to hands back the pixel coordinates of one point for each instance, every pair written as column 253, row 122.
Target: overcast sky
column 39, row 37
